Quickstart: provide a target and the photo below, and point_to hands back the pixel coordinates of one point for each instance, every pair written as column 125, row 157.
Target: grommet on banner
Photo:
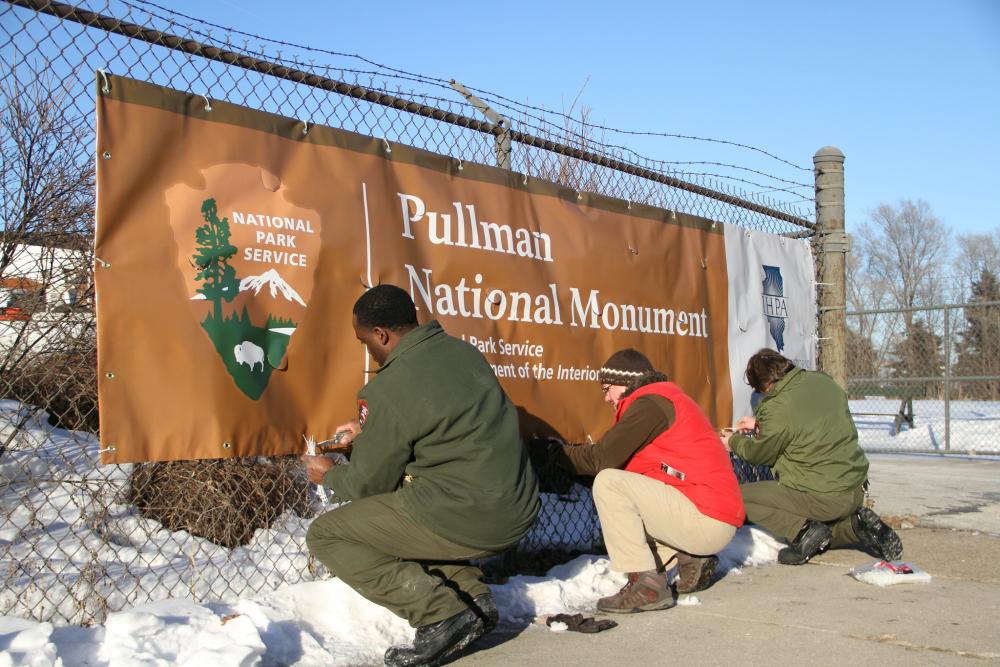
column 104, row 265
column 632, row 250
column 388, row 149
column 106, row 88
column 208, row 105
column 226, row 445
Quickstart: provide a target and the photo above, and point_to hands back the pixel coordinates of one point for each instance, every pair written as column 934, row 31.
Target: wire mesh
column 78, row 539
column 926, row 380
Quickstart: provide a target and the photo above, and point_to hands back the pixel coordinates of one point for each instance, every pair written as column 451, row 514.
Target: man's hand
column 724, row 435
column 746, row 424
column 351, row 431
column 316, row 467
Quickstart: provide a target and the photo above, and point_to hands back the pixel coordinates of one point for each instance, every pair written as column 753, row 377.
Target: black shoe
column 437, row 641
column 487, row 610
column 877, row 538
column 812, row 539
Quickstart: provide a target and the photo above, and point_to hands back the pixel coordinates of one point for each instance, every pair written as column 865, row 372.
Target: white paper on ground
column 879, row 573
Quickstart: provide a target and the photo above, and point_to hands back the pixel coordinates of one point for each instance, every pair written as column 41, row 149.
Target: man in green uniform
column 804, row 431
column 438, row 475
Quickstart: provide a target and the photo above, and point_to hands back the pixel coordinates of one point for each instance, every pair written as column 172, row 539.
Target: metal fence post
column 833, row 248
column 947, row 379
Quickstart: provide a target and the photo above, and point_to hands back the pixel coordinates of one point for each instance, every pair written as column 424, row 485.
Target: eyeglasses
column 605, row 388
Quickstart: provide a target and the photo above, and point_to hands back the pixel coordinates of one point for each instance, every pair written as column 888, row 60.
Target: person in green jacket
column 803, row 429
column 438, row 475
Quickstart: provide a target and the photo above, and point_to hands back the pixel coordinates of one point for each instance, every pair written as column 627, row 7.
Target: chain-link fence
column 78, row 539
column 926, row 379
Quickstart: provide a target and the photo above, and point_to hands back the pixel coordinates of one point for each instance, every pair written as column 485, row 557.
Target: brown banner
column 233, row 244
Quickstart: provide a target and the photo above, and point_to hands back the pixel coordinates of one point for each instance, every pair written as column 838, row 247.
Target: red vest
column 692, row 447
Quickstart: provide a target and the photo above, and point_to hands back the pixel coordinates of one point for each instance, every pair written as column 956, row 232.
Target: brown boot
column 694, row 573
column 644, row 591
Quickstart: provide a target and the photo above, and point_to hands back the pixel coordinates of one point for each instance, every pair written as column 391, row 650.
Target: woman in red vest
column 664, row 490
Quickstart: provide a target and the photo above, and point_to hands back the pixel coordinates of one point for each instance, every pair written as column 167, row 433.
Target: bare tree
column 906, row 253
column 47, row 210
column 48, row 174
column 977, row 254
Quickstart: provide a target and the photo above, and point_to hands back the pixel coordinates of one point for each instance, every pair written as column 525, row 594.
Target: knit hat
column 623, row 367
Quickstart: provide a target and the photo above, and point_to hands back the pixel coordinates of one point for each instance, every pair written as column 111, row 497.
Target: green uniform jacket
column 806, row 435
column 435, row 413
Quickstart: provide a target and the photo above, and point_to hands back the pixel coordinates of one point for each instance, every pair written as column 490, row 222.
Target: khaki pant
column 783, row 511
column 646, row 522
column 382, row 552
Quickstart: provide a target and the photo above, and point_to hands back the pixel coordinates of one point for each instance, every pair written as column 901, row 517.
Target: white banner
column 772, row 304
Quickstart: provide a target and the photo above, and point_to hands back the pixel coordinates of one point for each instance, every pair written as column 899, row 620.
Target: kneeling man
column 803, row 429
column 438, row 476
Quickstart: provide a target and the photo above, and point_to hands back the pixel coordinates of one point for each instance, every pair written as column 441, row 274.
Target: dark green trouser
column 378, row 549
column 784, row 511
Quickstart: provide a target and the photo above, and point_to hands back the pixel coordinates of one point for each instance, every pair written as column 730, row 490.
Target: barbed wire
column 500, row 100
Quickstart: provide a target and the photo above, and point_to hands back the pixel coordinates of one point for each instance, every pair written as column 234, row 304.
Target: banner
column 772, row 304
column 234, row 243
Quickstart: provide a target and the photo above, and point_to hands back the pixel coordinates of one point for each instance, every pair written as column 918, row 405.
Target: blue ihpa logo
column 775, row 308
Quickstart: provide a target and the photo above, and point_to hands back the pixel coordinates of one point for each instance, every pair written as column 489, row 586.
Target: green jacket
column 439, row 430
column 806, row 435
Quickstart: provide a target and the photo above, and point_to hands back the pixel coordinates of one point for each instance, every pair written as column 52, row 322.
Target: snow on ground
column 314, row 623
column 72, row 549
column 975, row 426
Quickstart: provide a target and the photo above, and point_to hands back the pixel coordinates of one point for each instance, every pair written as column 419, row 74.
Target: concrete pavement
column 816, row 614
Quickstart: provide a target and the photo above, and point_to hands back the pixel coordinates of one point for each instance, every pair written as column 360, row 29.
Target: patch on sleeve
column 362, row 412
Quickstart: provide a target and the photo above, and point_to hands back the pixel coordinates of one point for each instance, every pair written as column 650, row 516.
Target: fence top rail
column 192, row 47
column 915, row 309
column 910, row 380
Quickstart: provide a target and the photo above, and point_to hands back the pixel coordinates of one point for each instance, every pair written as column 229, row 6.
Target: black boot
column 877, row 538
column 437, row 641
column 812, row 539
column 487, row 610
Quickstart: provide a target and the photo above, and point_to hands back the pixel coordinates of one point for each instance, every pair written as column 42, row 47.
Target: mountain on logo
column 276, row 284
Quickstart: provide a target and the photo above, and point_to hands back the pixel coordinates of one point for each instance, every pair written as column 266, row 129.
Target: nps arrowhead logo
column 243, row 264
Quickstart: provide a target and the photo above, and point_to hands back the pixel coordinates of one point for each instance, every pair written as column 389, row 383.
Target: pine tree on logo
column 212, row 259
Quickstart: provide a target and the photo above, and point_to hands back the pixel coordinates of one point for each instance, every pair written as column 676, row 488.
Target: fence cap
column 829, row 154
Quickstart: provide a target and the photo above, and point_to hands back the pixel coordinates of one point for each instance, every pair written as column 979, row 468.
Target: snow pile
column 180, row 632
column 310, row 623
column 26, row 643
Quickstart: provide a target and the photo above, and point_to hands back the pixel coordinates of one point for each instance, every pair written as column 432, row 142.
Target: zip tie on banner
column 104, row 265
column 388, row 149
column 461, row 166
column 109, row 448
column 524, row 178
column 106, row 88
column 305, row 127
column 628, row 204
column 208, row 105
column 311, row 451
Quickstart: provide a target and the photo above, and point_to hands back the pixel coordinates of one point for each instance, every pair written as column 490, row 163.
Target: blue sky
column 910, row 91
